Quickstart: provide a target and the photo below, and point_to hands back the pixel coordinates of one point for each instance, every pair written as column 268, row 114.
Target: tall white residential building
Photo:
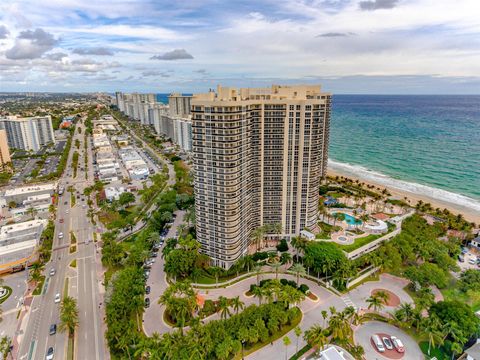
column 183, row 133
column 179, row 104
column 29, row 133
column 259, row 155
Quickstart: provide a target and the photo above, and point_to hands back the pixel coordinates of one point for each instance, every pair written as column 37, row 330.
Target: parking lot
column 470, row 258
column 10, row 307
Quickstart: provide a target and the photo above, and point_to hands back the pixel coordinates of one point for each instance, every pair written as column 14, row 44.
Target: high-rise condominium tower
column 259, row 155
column 29, row 133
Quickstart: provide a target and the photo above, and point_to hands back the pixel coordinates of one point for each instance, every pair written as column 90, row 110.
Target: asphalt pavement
column 84, row 281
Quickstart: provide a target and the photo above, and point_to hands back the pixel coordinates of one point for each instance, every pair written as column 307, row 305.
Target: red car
column 398, row 344
column 61, row 221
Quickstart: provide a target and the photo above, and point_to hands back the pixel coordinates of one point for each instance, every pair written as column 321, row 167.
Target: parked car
column 147, row 290
column 387, row 342
column 49, row 355
column 53, row 329
column 378, row 343
column 57, row 298
column 461, row 258
column 398, row 344
column 147, row 302
column 472, row 261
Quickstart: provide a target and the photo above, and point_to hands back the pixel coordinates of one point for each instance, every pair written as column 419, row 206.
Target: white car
column 472, row 261
column 57, row 298
column 60, row 235
column 52, row 272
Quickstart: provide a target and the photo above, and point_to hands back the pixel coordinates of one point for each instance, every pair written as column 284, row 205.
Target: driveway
column 152, row 317
column 364, row 332
column 389, row 282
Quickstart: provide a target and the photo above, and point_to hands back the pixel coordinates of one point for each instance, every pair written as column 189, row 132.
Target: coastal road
column 83, row 281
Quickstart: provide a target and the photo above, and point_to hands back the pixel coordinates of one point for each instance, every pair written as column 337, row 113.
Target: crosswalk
column 346, row 299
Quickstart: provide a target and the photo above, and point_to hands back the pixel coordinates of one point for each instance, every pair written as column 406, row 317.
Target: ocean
column 428, row 145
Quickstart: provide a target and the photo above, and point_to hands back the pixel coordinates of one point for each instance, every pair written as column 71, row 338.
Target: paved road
column 152, row 317
column 84, row 281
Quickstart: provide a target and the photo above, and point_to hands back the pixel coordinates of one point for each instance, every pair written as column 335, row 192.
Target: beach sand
column 468, row 213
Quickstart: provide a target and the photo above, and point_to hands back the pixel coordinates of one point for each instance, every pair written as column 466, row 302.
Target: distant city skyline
column 349, row 46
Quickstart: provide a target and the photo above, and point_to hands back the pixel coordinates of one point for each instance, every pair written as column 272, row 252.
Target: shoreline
column 469, row 214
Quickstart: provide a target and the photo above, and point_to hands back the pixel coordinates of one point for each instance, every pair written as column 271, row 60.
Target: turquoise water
column 351, row 220
column 424, row 144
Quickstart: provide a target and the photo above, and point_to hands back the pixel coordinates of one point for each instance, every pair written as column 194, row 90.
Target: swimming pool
column 351, row 220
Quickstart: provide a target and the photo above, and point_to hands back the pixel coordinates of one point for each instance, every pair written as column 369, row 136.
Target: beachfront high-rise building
column 179, row 104
column 29, row 133
column 259, row 155
column 4, row 150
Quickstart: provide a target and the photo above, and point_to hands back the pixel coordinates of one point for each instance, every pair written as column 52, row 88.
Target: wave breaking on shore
column 362, row 173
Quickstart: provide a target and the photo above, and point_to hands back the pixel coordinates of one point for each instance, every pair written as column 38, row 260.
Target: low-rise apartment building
column 18, row 244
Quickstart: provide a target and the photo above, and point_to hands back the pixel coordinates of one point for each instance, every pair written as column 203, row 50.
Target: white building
column 29, row 133
column 113, row 193
column 137, row 168
column 20, row 194
column 18, row 243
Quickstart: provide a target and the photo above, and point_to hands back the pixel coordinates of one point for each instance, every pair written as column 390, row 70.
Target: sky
column 348, row 46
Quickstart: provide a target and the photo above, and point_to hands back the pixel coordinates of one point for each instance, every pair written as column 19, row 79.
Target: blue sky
column 349, row 46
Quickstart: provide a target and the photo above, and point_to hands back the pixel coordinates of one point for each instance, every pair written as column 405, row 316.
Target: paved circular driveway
column 366, row 330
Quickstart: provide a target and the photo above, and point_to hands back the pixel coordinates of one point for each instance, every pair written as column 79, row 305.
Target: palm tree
column 68, row 315
column 276, row 266
column 286, row 342
column 237, row 304
column 298, row 333
column 377, row 301
column 258, row 271
column 298, row 269
column 6, row 346
column 285, row 258
column 258, row 292
column 324, row 316
column 36, row 271
column 223, row 307
column 316, row 336
column 431, row 326
column 257, row 236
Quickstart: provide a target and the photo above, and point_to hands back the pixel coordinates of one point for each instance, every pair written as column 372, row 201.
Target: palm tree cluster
column 258, row 235
column 272, row 290
column 339, row 329
column 220, row 339
column 180, row 301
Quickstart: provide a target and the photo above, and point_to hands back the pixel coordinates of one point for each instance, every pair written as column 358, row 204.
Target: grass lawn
column 439, row 353
column 70, row 348
column 9, row 292
column 106, row 217
column 38, row 288
column 471, row 298
column 359, row 242
column 65, row 288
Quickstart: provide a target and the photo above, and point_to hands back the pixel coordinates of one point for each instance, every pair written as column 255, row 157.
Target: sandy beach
column 468, row 213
